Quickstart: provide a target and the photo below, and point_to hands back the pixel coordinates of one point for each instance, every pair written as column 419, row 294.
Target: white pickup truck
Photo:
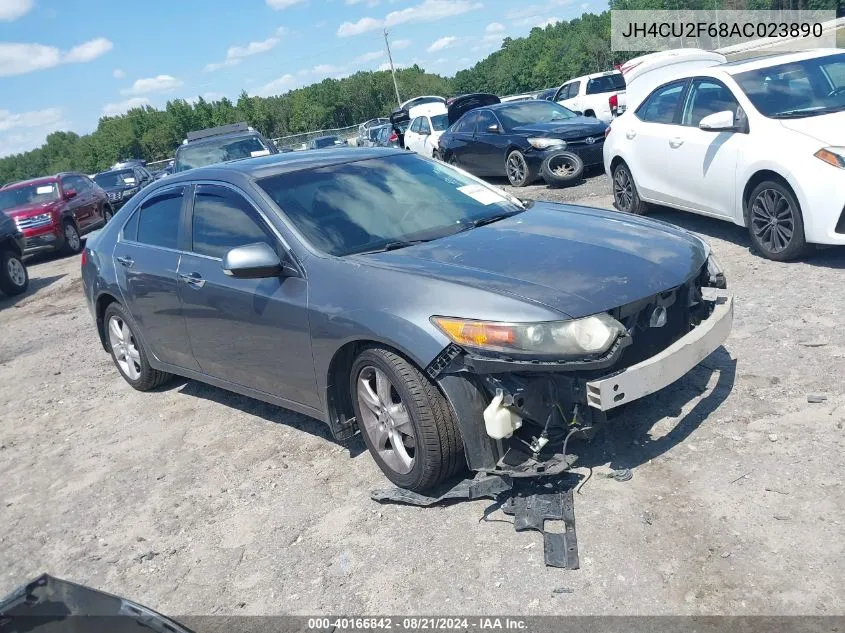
column 595, row 95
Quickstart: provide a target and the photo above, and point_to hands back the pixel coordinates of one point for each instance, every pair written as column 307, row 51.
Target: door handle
column 630, row 134
column 676, row 142
column 192, row 279
column 125, row 261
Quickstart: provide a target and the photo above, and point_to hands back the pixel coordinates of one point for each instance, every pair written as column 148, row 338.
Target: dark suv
column 122, row 184
column 54, row 212
column 220, row 145
column 13, row 276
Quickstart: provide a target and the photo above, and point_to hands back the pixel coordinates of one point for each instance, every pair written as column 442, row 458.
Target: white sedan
column 760, row 143
column 424, row 132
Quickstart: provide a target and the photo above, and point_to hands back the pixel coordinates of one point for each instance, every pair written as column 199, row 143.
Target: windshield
column 114, row 179
column 440, row 122
column 797, row 89
column 524, row 113
column 328, row 141
column 195, row 155
column 369, row 204
column 28, row 195
column 606, row 83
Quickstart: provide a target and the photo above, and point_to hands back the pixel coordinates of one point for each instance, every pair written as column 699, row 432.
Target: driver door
column 489, row 146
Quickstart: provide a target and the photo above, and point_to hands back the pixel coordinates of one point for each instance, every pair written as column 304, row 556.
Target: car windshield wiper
column 800, row 114
column 472, row 224
column 392, row 246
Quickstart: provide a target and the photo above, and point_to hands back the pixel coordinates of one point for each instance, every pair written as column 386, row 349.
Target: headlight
column 715, row 274
column 592, row 335
column 546, row 143
column 832, row 155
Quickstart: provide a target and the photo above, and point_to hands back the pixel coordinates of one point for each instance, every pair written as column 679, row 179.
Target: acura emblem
column 589, row 140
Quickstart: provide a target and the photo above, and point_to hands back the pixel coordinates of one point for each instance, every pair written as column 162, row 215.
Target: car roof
column 217, row 138
column 275, row 164
column 37, row 181
column 764, row 61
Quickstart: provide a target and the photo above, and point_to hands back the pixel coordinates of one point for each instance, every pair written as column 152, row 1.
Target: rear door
column 412, row 136
column 652, row 134
column 250, row 332
column 83, row 205
column 146, row 260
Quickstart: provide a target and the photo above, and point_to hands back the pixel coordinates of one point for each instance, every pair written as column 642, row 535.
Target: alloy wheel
column 386, row 420
column 516, row 168
column 562, row 166
column 623, row 189
column 125, row 349
column 17, row 273
column 72, row 237
column 772, row 220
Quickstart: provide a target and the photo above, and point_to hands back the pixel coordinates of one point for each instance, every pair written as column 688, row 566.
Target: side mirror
column 256, row 261
column 493, row 129
column 718, row 122
column 579, row 112
column 70, row 193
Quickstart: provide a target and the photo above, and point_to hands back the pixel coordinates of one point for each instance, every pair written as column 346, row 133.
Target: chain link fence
column 300, row 141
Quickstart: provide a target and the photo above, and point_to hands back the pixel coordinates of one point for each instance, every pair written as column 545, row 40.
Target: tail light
column 84, row 259
column 393, row 138
column 613, row 102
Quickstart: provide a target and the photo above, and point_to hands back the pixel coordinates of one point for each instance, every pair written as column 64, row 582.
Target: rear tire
column 775, row 223
column 128, row 353
column 625, row 196
column 562, row 168
column 14, row 278
column 405, row 421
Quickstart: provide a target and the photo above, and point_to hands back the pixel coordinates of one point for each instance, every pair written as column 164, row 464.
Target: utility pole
column 392, row 69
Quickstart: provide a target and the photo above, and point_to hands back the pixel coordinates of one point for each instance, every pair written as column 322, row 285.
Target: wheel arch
column 761, row 175
column 104, row 300
column 11, row 245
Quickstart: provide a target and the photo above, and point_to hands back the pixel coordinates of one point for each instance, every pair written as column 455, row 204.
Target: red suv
column 55, row 212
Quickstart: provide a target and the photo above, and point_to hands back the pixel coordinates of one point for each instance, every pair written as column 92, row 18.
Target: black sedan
column 122, row 184
column 521, row 139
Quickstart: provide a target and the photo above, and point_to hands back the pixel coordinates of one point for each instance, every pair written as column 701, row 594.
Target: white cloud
column 398, row 45
column 494, row 27
column 427, row 11
column 236, row 54
column 122, row 107
column 443, row 42
column 212, row 96
column 19, row 59
column 386, row 66
column 11, row 10
column 278, row 5
column 118, row 74
column 277, row 86
column 368, row 57
column 22, row 131
column 161, row 83
column 547, row 22
column 88, row 51
column 585, row 5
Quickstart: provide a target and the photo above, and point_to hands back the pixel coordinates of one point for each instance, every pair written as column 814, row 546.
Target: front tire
column 775, row 223
column 14, row 278
column 563, row 168
column 127, row 351
column 517, row 170
column 73, row 242
column 108, row 214
column 625, row 195
column 405, row 421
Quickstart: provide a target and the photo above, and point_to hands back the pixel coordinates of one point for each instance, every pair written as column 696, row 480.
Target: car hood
column 31, row 209
column 578, row 127
column 827, row 128
column 119, row 189
column 575, row 260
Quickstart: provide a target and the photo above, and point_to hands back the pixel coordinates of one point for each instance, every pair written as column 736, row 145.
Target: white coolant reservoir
column 500, row 421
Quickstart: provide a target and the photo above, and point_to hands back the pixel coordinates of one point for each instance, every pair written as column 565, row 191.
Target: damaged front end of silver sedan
column 518, row 407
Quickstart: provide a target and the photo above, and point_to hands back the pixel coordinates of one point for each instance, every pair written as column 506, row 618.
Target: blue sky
column 65, row 63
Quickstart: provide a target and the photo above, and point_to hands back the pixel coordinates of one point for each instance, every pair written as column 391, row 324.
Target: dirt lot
column 192, row 500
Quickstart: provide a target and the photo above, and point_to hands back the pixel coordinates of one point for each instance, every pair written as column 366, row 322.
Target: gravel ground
column 192, row 500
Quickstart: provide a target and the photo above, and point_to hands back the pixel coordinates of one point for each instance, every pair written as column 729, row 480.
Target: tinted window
column 364, row 205
column 662, row 104
column 158, row 224
column 485, row 120
column 805, row 88
column 130, row 229
column 221, row 150
column 705, row 98
column 466, row 124
column 224, row 220
column 425, row 128
column 524, row 112
column 111, row 179
column 607, row 83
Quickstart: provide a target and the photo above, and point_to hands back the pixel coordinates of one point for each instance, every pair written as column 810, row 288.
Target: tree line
column 547, row 57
